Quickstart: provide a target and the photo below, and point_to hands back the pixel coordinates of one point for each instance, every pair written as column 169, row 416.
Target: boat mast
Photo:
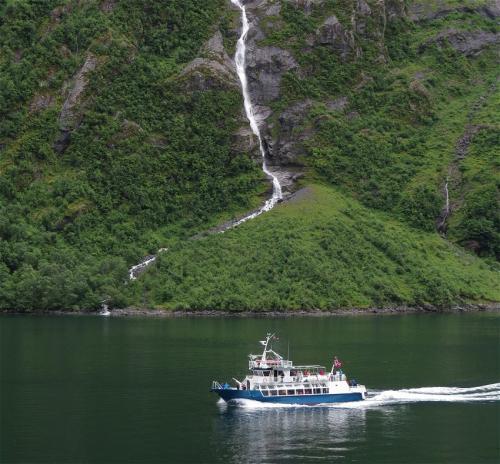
column 269, row 336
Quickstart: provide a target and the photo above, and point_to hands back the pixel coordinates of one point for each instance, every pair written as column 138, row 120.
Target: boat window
column 282, row 392
column 308, row 391
column 325, row 390
column 290, row 392
column 317, row 390
column 300, row 392
column 273, row 392
column 265, row 392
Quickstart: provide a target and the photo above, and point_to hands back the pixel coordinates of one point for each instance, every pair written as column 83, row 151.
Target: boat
column 273, row 379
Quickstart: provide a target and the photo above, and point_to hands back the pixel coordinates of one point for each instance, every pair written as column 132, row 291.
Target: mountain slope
column 122, row 132
column 321, row 250
column 106, row 153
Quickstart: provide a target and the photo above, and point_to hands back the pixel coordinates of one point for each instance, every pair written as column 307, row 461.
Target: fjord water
column 111, row 390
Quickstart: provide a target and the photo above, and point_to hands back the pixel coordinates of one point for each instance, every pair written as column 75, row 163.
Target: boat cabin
column 275, row 376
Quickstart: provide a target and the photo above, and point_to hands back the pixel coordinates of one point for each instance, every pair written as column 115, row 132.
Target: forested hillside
column 105, row 155
column 122, row 132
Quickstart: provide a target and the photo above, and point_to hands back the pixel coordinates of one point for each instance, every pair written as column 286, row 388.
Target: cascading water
column 240, row 61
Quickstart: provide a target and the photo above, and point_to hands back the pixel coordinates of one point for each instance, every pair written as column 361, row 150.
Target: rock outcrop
column 69, row 118
column 284, row 134
column 265, row 69
column 423, row 10
column 41, row 102
column 213, row 70
column 244, row 141
column 332, row 34
column 469, row 43
column 107, row 6
column 306, row 6
column 454, row 179
column 287, row 147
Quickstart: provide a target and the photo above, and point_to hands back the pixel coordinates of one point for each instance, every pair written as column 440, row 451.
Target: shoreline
column 164, row 313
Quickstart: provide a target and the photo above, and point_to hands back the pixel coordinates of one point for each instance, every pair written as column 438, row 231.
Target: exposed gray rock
column 18, row 54
column 339, row 104
column 58, row 13
column 69, row 118
column 363, row 11
column 454, row 177
column 41, row 102
column 469, row 43
column 492, row 9
column 395, row 9
column 215, row 48
column 108, row 6
column 288, row 178
column 244, row 141
column 423, row 10
column 464, row 142
column 363, row 8
column 287, row 147
column 274, row 10
column 205, row 74
column 331, row 33
column 67, row 115
column 306, row 6
column 265, row 69
column 128, row 129
column 214, row 70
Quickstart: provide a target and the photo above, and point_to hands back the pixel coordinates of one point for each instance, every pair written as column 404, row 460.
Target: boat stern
column 361, row 389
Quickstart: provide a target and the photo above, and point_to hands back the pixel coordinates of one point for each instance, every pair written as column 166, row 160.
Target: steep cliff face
column 319, row 28
column 349, row 88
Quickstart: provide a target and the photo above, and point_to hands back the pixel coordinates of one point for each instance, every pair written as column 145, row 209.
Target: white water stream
column 240, row 61
column 277, row 196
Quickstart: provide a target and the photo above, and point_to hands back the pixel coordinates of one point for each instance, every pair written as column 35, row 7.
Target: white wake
column 484, row 393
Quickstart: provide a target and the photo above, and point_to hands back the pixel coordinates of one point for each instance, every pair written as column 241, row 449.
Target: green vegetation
column 139, row 161
column 323, row 251
column 147, row 162
column 408, row 105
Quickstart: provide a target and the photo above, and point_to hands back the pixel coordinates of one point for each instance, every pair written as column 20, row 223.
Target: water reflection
column 287, row 434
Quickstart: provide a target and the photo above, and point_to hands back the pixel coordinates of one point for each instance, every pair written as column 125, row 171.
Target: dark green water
column 96, row 390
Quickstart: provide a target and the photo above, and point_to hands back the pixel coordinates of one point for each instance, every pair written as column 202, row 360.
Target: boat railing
column 269, row 364
column 216, row 385
column 271, row 382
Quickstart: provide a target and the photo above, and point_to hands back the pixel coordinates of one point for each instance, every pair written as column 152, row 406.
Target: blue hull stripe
column 228, row 395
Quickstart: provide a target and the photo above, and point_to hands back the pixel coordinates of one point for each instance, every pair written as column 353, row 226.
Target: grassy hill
column 321, row 250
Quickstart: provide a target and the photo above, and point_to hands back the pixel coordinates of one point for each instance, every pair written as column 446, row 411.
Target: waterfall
column 240, row 61
column 277, row 196
column 447, row 195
